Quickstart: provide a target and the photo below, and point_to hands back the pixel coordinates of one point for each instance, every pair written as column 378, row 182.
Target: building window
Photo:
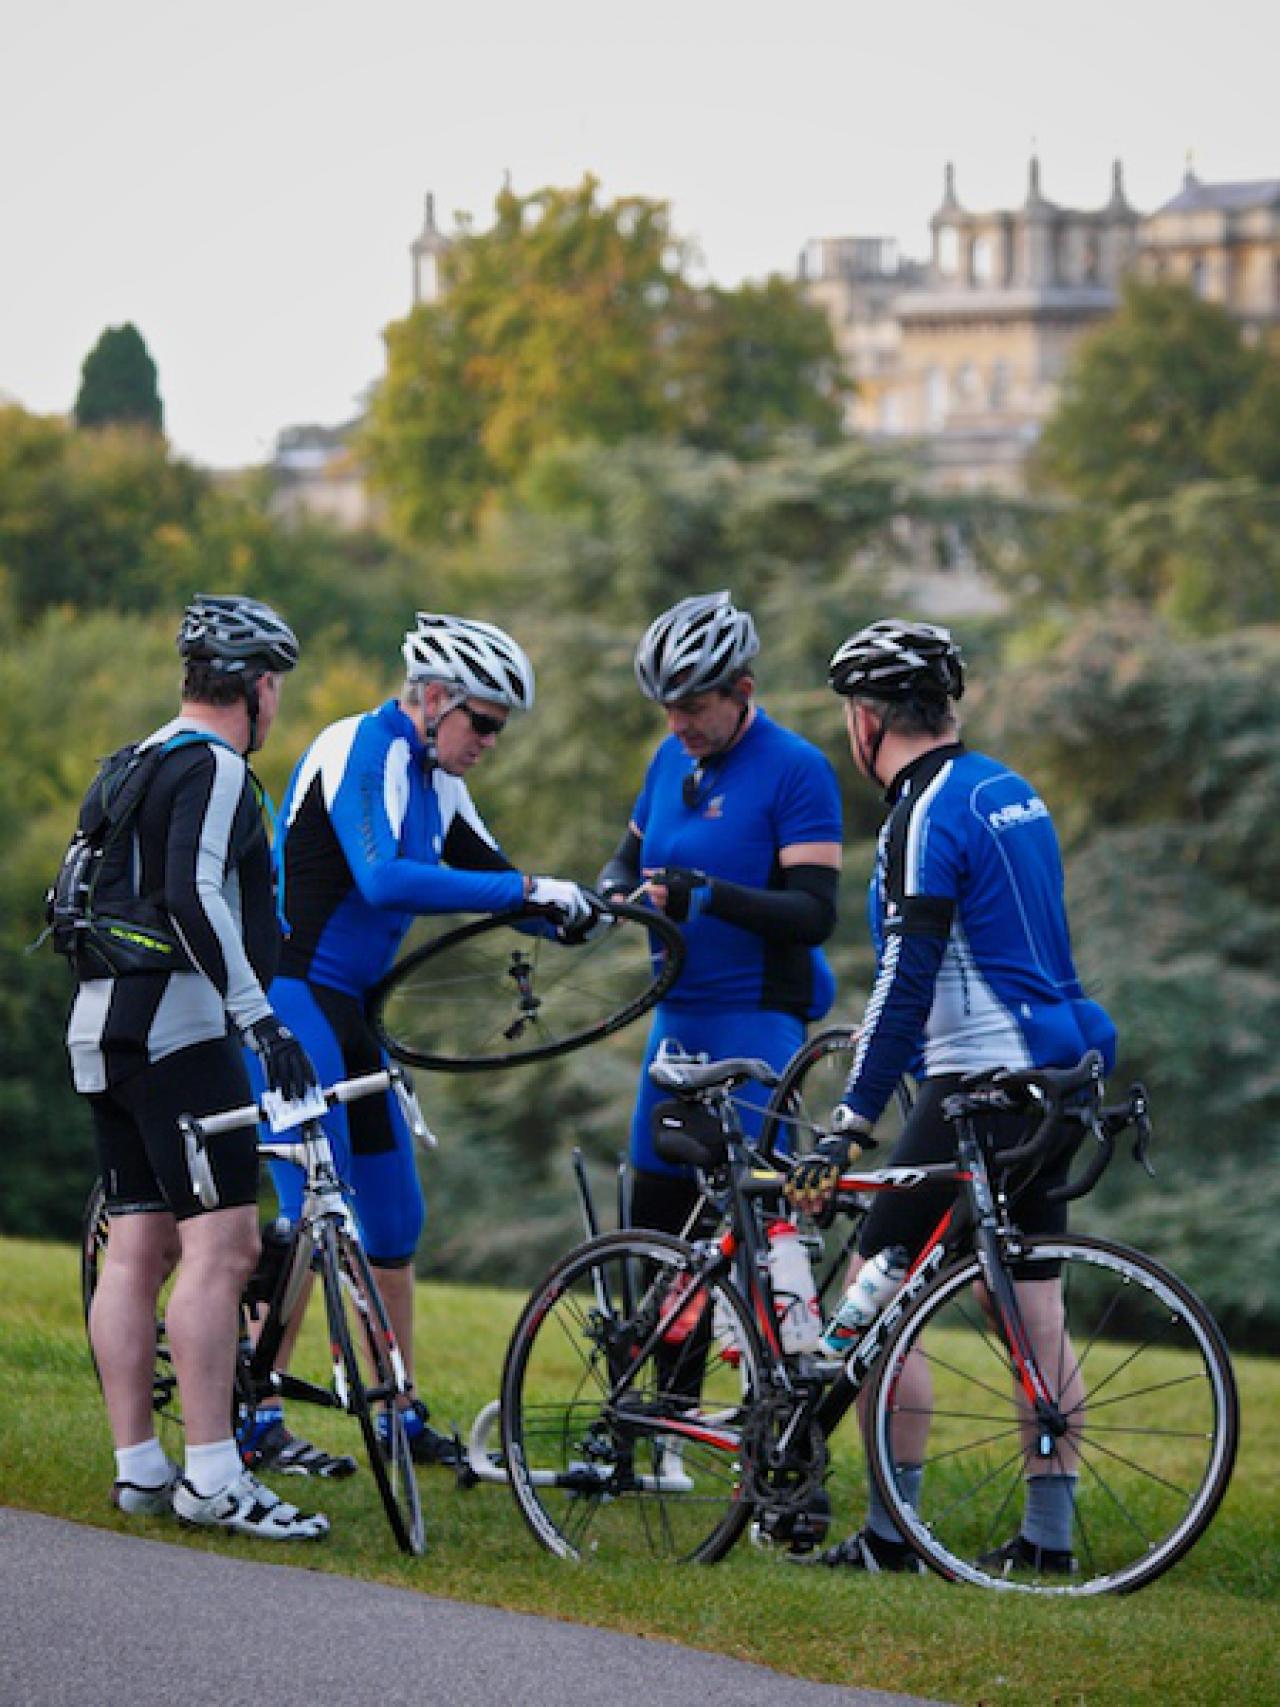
column 935, row 399
column 1199, row 276
column 999, row 393
column 984, row 260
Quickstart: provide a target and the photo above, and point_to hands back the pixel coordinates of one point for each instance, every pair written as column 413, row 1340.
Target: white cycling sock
column 146, row 1465
column 214, row 1467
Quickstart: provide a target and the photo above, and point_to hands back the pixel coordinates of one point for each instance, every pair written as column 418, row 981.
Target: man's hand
column 285, row 1063
column 598, row 922
column 566, row 904
column 814, row 1180
column 678, row 891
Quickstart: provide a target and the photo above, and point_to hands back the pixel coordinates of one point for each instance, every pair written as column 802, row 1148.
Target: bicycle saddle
column 689, row 1078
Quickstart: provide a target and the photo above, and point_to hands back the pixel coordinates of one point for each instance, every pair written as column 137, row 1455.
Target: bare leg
column 141, row 1252
column 218, row 1254
column 1041, row 1305
column 396, row 1287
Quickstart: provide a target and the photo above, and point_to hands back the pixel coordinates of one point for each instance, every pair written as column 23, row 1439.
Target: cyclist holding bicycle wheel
column 737, row 831
column 376, row 828
column 151, row 1045
column 974, row 971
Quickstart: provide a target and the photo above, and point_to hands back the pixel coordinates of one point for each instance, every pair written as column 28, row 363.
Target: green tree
column 755, row 364
column 1142, row 395
column 118, row 383
column 572, row 319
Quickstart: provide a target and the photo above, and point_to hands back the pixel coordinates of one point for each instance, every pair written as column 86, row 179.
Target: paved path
column 91, row 1619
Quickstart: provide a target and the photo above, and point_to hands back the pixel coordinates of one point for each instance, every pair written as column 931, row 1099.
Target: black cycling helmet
column 699, row 644
column 898, row 661
column 236, row 636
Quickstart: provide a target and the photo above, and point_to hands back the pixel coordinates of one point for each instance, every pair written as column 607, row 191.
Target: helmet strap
column 431, row 725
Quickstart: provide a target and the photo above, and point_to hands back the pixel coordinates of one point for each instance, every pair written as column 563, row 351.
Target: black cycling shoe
column 865, row 1551
column 1023, row 1555
column 426, row 1444
column 273, row 1448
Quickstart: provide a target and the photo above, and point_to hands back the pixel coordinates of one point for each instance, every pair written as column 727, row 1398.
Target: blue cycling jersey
column 770, row 790
column 969, row 919
column 369, row 837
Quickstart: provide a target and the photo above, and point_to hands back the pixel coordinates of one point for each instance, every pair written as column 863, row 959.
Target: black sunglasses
column 482, row 722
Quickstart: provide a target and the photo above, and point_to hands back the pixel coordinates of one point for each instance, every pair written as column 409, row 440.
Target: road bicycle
column 648, row 1407
column 325, row 1238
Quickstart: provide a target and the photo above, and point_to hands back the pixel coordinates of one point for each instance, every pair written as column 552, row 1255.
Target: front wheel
column 1145, row 1419
column 628, row 1385
column 350, row 1292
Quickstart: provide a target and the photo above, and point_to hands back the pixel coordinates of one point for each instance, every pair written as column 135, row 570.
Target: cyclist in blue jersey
column 737, row 832
column 377, row 826
column 974, row 971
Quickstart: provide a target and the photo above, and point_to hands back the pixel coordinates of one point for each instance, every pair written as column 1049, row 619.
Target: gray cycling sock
column 879, row 1522
column 1049, row 1514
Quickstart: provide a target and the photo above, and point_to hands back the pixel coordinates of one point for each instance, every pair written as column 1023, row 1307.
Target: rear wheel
column 1147, row 1420
column 358, row 1318
column 627, row 1387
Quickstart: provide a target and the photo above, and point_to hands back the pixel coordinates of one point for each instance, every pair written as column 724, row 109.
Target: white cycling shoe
column 135, row 1500
column 247, row 1507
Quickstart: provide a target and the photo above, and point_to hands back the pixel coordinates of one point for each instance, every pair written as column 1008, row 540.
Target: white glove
column 563, row 902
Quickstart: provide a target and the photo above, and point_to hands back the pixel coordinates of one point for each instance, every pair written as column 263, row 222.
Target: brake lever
column 1140, row 1113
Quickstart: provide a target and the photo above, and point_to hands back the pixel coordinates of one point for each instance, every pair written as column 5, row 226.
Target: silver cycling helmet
column 236, row 636
column 897, row 661
column 699, row 644
column 474, row 657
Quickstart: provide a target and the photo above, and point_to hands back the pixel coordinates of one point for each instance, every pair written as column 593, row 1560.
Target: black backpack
column 94, row 913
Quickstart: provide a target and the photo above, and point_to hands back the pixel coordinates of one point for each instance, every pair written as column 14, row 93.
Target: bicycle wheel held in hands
column 492, row 994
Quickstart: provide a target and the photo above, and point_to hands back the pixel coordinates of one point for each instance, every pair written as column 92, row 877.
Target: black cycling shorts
column 141, row 1154
column 909, row 1217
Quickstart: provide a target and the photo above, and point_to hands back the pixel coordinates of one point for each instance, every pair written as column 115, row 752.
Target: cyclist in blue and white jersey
column 737, row 830
column 975, row 971
column 377, row 827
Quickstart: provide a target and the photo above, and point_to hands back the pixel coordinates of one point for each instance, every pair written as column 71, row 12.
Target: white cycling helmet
column 474, row 657
column 699, row 644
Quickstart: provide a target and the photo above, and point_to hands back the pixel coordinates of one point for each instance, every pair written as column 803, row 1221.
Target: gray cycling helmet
column 473, row 657
column 236, row 636
column 699, row 644
column 898, row 661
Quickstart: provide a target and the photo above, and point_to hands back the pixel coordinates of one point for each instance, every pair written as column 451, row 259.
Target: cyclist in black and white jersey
column 148, row 1046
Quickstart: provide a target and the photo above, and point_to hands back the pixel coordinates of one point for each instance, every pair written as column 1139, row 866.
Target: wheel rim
column 594, row 1473
column 486, row 996
column 1146, row 1396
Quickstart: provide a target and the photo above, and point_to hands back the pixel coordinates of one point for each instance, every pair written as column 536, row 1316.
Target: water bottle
column 876, row 1284
column 795, row 1296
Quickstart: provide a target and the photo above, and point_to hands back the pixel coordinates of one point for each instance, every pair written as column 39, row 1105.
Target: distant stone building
column 315, row 475
column 426, row 253
column 1224, row 241
column 965, row 353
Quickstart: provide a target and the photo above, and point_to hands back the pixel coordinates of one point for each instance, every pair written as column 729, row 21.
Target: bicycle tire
column 477, row 998
column 590, row 1473
column 348, row 1282
column 1144, row 1381
column 94, row 1234
column 808, row 1090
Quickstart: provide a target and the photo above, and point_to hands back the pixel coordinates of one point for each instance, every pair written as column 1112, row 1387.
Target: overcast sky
column 242, row 181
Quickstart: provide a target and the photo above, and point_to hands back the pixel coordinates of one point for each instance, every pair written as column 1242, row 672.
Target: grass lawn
column 1205, row 1633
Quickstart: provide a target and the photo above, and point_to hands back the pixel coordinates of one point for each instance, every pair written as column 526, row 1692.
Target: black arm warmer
column 802, row 911
column 622, row 868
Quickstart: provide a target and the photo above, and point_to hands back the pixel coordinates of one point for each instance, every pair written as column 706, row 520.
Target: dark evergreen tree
column 118, row 383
